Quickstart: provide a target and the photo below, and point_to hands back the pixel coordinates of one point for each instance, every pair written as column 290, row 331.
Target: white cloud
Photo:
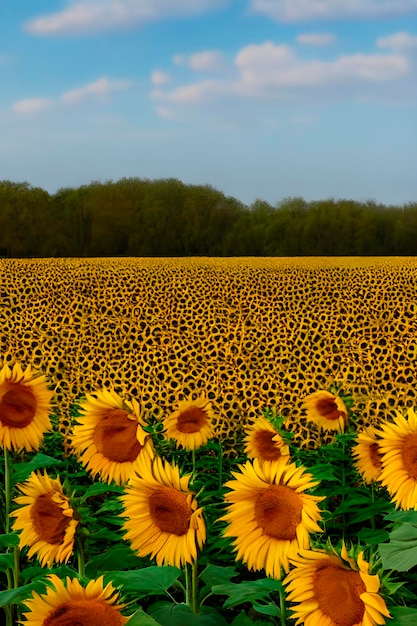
column 277, row 65
column 398, row 41
column 160, row 78
column 270, row 71
column 189, row 94
column 99, row 90
column 28, row 106
column 204, row 61
column 305, row 10
column 93, row 16
column 165, row 113
column 316, row 39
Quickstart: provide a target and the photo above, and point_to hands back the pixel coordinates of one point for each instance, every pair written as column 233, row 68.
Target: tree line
column 165, row 217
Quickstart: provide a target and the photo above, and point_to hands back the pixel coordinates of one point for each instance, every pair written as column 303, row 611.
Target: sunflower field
column 208, row 441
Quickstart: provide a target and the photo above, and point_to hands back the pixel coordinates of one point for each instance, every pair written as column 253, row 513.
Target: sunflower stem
column 373, row 526
column 81, row 557
column 194, row 586
column 191, row 586
column 193, row 458
column 12, row 574
column 7, row 491
column 220, row 468
column 282, row 606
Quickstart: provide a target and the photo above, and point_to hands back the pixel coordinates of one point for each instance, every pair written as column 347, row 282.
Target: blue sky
column 259, row 98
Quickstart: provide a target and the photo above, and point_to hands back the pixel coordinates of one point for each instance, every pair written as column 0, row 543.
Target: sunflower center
column 375, row 455
column 191, row 420
column 115, row 436
column 268, row 449
column 409, row 454
column 278, row 512
column 17, row 406
column 84, row 613
column 337, row 592
column 328, row 408
column 48, row 520
column 170, row 510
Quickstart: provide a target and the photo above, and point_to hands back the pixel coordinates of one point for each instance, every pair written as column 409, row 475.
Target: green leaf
column 247, row 591
column 152, row 580
column 372, row 536
column 402, row 615
column 168, row 614
column 269, row 608
column 112, row 560
column 140, row 618
column 324, row 471
column 403, row 516
column 6, row 561
column 13, row 596
column 30, row 573
column 215, row 574
column 9, row 540
column 400, row 553
column 243, row 620
column 21, row 471
column 98, row 489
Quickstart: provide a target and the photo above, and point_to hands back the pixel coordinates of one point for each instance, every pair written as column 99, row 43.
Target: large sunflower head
column 263, row 441
column 25, row 405
column 334, row 590
column 326, row 410
column 398, row 446
column 270, row 515
column 367, row 455
column 109, row 438
column 71, row 603
column 46, row 519
column 191, row 424
column 163, row 517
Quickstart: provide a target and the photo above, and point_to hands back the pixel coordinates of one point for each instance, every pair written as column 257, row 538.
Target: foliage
column 142, row 217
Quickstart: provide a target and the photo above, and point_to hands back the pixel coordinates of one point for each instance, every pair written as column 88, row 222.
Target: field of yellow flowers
column 208, row 441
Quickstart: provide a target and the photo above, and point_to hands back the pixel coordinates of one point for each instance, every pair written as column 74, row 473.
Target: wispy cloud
column 204, row 61
column 316, row 39
column 29, row 106
column 272, row 71
column 94, row 16
column 160, row 78
column 305, row 10
column 398, row 41
column 97, row 91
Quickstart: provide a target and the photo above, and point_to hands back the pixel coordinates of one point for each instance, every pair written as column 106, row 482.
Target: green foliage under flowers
column 216, row 590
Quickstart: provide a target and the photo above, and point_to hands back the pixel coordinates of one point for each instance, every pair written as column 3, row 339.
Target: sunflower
column 263, row 442
column 367, row 455
column 269, row 514
column 326, row 410
column 71, row 603
column 163, row 518
column 25, row 404
column 46, row 519
column 398, row 446
column 109, row 438
column 334, row 590
column 191, row 424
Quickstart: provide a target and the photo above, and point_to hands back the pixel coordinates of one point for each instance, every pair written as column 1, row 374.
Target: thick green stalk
column 194, row 587
column 282, row 606
column 80, row 557
column 220, row 469
column 12, row 573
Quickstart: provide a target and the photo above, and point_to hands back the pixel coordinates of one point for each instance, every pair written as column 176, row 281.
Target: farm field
column 287, row 494
column 251, row 332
